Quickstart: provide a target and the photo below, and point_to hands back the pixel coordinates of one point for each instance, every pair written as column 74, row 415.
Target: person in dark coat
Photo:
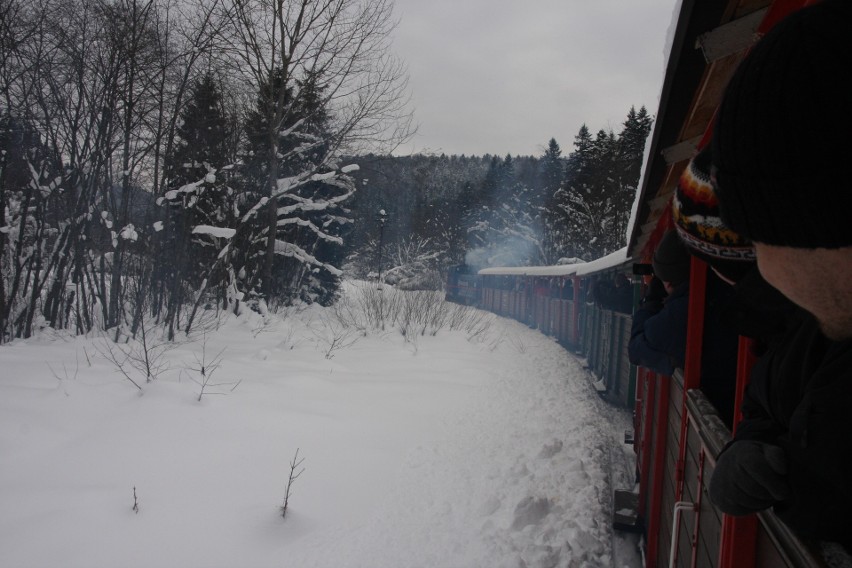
column 615, row 294
column 790, row 451
column 793, row 352
column 658, row 332
column 780, row 151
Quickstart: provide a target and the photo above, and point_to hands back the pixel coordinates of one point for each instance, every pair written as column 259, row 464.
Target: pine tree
column 593, row 206
column 631, row 150
column 197, row 195
column 288, row 245
column 203, row 134
column 552, row 178
column 552, row 168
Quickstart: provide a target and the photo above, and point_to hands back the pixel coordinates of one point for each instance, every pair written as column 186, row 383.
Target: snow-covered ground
column 461, row 449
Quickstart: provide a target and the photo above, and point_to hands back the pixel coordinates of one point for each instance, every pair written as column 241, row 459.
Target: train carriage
column 677, row 432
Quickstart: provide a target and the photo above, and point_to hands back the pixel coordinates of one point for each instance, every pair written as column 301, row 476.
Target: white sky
column 501, row 76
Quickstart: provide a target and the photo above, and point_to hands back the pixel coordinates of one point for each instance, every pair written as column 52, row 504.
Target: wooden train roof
column 710, row 39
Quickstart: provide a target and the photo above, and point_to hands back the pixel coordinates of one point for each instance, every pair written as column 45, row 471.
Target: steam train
column 677, row 433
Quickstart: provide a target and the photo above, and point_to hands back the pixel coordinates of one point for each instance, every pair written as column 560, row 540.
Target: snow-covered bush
column 368, row 306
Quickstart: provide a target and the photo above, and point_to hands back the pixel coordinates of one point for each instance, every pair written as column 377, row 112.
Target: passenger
column 658, row 333
column 603, row 293
column 780, row 151
column 754, row 309
column 615, row 294
column 622, row 294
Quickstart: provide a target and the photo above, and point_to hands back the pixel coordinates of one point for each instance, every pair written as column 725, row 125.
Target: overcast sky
column 505, row 76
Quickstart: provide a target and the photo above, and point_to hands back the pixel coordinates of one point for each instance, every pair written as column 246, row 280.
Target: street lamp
column 381, row 217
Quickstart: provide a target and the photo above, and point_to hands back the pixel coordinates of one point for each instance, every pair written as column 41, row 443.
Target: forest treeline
column 160, row 158
column 497, row 210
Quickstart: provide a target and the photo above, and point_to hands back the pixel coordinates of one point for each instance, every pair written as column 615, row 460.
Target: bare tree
column 100, row 84
column 93, row 90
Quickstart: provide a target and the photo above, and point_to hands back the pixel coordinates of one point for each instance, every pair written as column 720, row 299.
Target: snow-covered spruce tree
column 631, row 150
column 308, row 216
column 593, row 205
column 552, row 176
column 293, row 185
column 198, row 194
column 585, row 201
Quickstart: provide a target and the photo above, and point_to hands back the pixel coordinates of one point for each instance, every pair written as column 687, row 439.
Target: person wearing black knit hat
column 671, row 261
column 780, row 149
column 781, row 145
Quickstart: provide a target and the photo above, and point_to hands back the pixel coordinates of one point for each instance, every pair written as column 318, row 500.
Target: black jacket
column 658, row 342
column 800, row 398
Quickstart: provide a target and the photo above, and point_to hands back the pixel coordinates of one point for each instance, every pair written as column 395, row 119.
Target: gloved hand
column 750, row 476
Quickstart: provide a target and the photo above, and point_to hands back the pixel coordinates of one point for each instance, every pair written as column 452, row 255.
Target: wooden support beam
column 731, row 38
column 681, row 151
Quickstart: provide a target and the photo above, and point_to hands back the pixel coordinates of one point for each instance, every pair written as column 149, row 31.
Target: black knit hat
column 783, row 136
column 671, row 259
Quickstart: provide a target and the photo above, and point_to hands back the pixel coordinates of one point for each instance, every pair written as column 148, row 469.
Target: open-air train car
column 565, row 302
column 677, row 431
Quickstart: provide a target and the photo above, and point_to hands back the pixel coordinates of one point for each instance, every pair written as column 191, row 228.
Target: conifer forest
column 161, row 158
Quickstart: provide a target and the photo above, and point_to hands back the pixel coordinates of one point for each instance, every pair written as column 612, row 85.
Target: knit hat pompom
column 782, row 135
column 695, row 209
column 671, row 260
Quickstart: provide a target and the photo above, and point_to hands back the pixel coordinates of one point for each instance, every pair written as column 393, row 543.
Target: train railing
column 683, row 528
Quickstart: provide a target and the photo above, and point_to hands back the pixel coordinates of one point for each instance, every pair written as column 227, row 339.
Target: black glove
column 750, row 476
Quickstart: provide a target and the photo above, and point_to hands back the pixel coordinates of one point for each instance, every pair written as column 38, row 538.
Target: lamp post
column 381, row 217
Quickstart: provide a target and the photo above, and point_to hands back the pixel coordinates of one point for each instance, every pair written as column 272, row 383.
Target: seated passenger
column 615, row 293
column 658, row 334
column 622, row 300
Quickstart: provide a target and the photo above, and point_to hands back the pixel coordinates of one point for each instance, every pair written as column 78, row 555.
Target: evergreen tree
column 288, row 245
column 552, row 168
column 554, row 236
column 632, row 139
column 631, row 150
column 592, row 208
column 203, row 134
column 198, row 195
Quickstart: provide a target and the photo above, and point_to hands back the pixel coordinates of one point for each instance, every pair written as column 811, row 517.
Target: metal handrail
column 678, row 507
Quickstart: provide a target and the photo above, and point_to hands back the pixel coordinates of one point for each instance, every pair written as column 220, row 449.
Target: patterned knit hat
column 782, row 141
column 696, row 216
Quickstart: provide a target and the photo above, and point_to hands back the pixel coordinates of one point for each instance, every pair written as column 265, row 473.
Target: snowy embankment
column 463, row 449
